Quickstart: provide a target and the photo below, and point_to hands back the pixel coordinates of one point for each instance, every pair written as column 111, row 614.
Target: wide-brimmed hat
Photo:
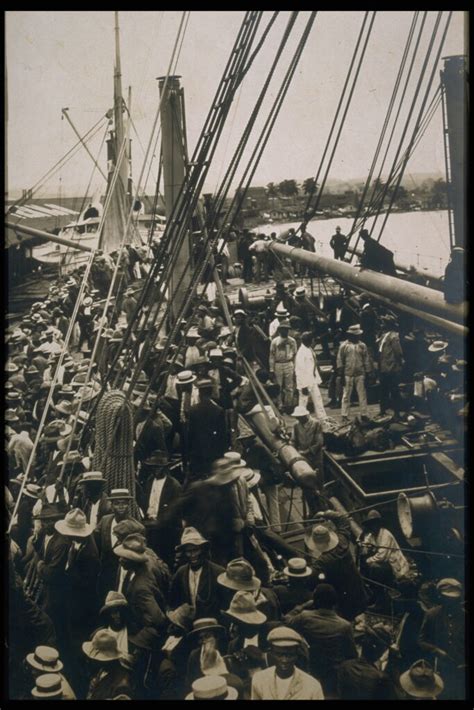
column 437, row 346
column 205, row 625
column 354, row 330
column 297, row 567
column 51, row 511
column 299, row 412
column 300, row 291
column 193, row 333
column 48, row 685
column 13, row 396
column 67, row 391
column 459, row 366
column 32, row 490
column 320, row 539
column 127, row 527
column 102, row 647
column 71, row 457
column 182, row 616
column 186, row 377
column 132, row 548
column 74, row 524
column 449, row 587
column 11, row 367
column 223, row 471
column 119, row 494
column 45, row 658
column 212, row 687
column 191, row 536
column 235, row 457
column 244, row 608
column 240, row 576
column 250, row 476
column 114, row 600
column 284, row 325
column 420, row 680
column 57, row 429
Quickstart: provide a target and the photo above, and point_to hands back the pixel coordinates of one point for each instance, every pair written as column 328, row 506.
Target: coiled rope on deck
column 113, row 450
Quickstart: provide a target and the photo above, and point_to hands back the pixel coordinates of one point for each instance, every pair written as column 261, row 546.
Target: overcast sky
column 57, row 59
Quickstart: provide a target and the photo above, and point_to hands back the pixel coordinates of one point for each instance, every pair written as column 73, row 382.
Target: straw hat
column 127, row 527
column 223, row 472
column 300, row 291
column 243, row 608
column 420, row 681
column 57, row 429
column 354, row 330
column 11, row 416
column 74, row 524
column 48, row 685
column 239, row 312
column 51, row 511
column 191, row 536
column 299, row 412
column 31, row 490
column 284, row 325
column 250, row 476
column 240, row 576
column 235, row 457
column 372, row 515
column 450, row 588
column 92, row 477
column 119, row 494
column 114, row 600
column 212, row 687
column 132, row 548
column 437, row 346
column 205, row 625
column 297, row 567
column 186, row 377
column 320, row 540
column 65, row 407
column 45, row 658
column 102, row 647
column 182, row 616
column 158, row 459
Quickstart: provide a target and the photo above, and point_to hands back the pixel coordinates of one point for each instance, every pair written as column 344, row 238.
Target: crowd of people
column 183, row 588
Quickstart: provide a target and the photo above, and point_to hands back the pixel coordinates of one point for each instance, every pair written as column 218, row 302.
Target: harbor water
column 418, row 238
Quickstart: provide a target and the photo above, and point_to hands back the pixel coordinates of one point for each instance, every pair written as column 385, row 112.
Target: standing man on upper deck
column 339, row 244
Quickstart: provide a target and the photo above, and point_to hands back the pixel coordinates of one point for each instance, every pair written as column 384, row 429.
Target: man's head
column 239, row 317
column 284, row 329
column 120, row 501
column 324, row 597
column 353, row 333
column 364, row 234
column 307, row 339
column 338, row 229
column 284, row 646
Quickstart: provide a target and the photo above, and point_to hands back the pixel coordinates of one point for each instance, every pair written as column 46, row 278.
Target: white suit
column 307, row 376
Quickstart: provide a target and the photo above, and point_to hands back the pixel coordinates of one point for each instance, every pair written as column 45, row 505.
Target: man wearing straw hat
column 353, row 364
column 106, row 538
column 283, row 351
column 45, row 659
column 283, row 680
column 420, row 682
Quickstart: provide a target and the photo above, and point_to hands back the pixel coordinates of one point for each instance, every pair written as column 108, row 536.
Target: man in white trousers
column 308, row 378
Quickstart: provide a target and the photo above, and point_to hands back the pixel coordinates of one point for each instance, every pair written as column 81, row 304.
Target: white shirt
column 113, row 537
column 123, row 573
column 155, row 497
column 256, row 507
column 306, row 370
column 94, row 513
column 272, row 329
column 282, row 686
column 47, row 538
column 251, row 642
column 194, row 577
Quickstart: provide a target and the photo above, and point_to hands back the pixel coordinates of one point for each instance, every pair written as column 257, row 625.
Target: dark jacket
column 85, row 504
column 116, row 682
column 81, row 599
column 208, row 600
column 207, row 436
column 109, row 561
column 329, row 637
column 290, row 597
column 245, row 341
column 142, row 593
column 53, row 573
column 167, row 514
column 340, row 570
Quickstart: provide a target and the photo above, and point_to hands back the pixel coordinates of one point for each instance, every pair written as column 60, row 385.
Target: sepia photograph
column 235, row 350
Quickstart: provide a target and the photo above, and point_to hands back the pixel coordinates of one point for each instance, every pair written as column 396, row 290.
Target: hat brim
column 87, row 647
column 122, row 551
column 307, row 573
column 254, row 617
column 437, row 349
column 232, row 694
column 324, row 547
column 354, row 332
column 218, row 628
column 64, row 529
column 56, row 694
column 254, row 481
column 410, row 688
column 116, row 605
column 238, row 586
column 35, row 496
column 230, row 477
column 39, row 667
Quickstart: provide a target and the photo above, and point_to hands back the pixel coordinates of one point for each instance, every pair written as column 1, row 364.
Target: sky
column 59, row 59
